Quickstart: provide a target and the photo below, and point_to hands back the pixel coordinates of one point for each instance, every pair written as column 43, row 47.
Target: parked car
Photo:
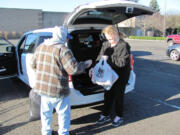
column 84, row 24
column 174, row 52
column 173, row 39
column 7, row 59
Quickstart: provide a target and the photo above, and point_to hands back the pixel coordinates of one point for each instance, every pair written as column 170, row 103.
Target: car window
column 40, row 40
column 30, row 42
column 94, row 17
column 3, row 45
column 22, row 43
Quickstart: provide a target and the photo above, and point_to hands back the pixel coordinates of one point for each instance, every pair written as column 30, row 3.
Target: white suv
column 84, row 24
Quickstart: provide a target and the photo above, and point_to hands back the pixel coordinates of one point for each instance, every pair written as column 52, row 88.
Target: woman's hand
column 90, row 72
column 105, row 57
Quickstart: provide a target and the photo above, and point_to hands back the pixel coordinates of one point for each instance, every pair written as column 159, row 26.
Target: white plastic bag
column 104, row 75
column 34, row 107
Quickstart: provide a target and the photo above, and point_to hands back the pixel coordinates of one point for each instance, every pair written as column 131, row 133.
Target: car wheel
column 170, row 42
column 174, row 55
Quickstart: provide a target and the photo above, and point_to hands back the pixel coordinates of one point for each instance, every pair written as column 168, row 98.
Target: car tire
column 174, row 55
column 170, row 42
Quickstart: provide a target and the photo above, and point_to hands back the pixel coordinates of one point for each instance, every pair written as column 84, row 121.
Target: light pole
column 164, row 18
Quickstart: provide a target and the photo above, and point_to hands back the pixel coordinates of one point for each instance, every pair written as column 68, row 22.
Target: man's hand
column 89, row 63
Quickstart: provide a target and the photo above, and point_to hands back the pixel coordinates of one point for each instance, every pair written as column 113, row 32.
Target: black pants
column 115, row 96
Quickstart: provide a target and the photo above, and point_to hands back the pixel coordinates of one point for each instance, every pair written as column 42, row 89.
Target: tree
column 154, row 5
column 152, row 23
column 173, row 24
column 155, row 23
column 173, row 21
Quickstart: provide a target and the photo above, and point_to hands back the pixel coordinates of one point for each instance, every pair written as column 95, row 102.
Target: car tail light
column 70, row 78
column 132, row 61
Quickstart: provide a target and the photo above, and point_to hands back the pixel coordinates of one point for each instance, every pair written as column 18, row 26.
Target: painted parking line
column 158, row 101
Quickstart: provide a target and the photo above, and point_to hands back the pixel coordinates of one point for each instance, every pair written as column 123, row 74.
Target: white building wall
column 51, row 19
column 20, row 20
column 14, row 22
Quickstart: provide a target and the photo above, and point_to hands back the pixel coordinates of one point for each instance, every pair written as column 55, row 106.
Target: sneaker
column 118, row 123
column 103, row 119
column 54, row 133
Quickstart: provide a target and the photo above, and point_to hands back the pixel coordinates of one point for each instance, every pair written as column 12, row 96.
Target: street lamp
column 164, row 18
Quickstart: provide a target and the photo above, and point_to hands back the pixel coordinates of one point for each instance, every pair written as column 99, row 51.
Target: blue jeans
column 62, row 107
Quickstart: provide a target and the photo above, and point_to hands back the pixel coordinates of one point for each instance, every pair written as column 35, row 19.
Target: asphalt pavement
column 153, row 108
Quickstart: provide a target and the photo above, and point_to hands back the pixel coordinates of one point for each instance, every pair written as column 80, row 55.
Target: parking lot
column 153, row 108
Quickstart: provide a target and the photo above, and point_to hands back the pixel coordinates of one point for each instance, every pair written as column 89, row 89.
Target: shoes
column 118, row 122
column 103, row 119
column 54, row 133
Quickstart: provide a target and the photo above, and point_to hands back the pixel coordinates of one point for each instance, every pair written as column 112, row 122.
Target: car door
column 177, row 38
column 25, row 52
column 26, row 48
column 8, row 63
column 106, row 12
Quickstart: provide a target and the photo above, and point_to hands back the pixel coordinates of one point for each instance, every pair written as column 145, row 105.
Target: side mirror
column 10, row 49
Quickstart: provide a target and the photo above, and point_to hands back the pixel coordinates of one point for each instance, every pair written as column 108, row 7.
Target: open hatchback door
column 106, row 12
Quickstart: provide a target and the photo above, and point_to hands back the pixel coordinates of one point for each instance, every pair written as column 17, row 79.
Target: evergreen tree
column 154, row 5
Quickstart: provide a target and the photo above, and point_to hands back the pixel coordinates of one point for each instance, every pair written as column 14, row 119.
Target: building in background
column 50, row 19
column 14, row 21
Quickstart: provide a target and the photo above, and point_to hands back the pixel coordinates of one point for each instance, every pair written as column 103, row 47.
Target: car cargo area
column 85, row 45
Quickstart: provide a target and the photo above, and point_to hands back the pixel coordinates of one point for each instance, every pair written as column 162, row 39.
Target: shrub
column 147, row 38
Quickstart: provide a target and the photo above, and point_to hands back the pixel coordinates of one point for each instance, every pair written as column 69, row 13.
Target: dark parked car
column 174, row 52
column 7, row 59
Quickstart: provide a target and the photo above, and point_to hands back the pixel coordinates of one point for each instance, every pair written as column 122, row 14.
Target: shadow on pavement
column 6, row 129
column 141, row 53
column 91, row 129
column 156, row 85
column 11, row 89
